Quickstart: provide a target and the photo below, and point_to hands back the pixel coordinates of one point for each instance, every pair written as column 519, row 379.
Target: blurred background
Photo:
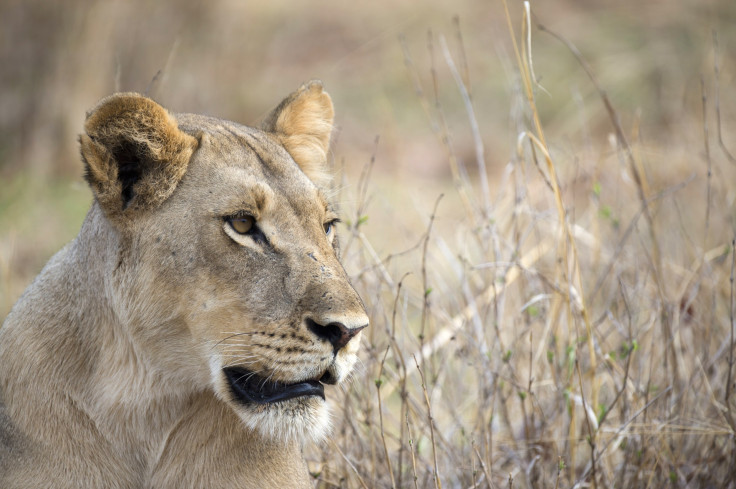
column 402, row 76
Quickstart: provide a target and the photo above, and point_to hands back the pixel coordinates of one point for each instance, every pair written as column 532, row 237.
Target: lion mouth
column 247, row 387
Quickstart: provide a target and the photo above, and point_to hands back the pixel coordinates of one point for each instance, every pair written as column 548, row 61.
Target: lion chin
column 300, row 420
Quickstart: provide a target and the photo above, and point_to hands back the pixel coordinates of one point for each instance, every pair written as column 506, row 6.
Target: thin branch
column 425, row 286
column 708, row 162
column 591, row 434
column 350, row 464
column 463, row 56
column 475, row 129
column 717, row 96
column 380, row 418
column 730, row 352
column 413, row 456
column 437, row 482
column 629, row 354
column 483, row 467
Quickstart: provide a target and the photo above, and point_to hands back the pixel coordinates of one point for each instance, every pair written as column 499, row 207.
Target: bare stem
column 707, row 160
column 437, row 482
column 717, row 95
column 475, row 129
column 591, row 434
column 350, row 464
column 411, row 449
column 380, row 417
column 730, row 352
column 425, row 286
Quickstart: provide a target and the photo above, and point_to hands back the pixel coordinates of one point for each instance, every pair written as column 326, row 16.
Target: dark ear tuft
column 128, row 156
column 134, row 153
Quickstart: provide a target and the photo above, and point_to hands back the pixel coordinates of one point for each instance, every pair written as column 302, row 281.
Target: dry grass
column 552, row 300
column 546, row 338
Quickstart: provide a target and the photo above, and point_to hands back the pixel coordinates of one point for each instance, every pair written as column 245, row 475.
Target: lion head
column 227, row 272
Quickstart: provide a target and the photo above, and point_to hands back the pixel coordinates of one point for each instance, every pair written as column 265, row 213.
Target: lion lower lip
column 247, row 387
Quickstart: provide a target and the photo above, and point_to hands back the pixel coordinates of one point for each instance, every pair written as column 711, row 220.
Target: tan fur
column 111, row 361
column 303, row 124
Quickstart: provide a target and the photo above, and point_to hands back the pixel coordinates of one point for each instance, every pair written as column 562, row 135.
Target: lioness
column 184, row 337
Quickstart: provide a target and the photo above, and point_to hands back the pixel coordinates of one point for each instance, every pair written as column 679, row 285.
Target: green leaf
column 601, row 412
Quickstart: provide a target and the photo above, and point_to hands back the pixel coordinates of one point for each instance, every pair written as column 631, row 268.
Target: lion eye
column 329, row 225
column 242, row 224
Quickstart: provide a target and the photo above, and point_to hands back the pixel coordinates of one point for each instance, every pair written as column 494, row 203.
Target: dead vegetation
column 546, row 338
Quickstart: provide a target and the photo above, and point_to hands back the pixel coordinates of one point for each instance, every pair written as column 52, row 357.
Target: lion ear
column 303, row 123
column 134, row 153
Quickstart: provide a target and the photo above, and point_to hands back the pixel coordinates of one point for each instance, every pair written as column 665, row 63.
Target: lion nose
column 336, row 333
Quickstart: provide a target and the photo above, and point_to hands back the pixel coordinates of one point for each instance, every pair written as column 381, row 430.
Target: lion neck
column 143, row 380
column 84, row 347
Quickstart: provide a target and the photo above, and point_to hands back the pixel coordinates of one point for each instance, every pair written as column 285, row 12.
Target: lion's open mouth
column 248, row 387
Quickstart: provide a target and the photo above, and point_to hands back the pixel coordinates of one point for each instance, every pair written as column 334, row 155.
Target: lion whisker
column 232, row 335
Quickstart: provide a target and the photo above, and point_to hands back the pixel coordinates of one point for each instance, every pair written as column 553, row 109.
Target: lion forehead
column 235, row 158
